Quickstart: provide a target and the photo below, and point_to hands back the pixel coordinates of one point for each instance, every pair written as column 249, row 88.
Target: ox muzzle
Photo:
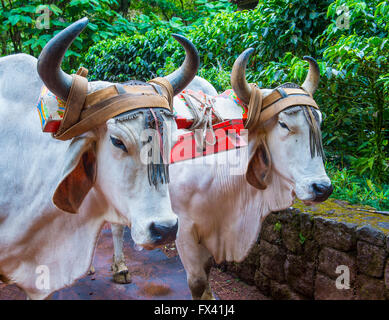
column 162, row 233
column 321, row 191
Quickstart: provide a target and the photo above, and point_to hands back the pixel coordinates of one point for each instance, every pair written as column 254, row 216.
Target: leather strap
column 107, row 110
column 112, row 91
column 167, row 87
column 125, row 101
column 254, row 107
column 84, row 112
column 74, row 105
column 276, row 95
column 292, row 100
column 261, row 110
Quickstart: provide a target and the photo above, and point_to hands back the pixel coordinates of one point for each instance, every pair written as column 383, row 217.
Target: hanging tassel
column 315, row 139
column 157, row 169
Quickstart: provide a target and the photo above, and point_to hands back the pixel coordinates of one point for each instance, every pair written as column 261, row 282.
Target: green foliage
column 301, row 238
column 136, row 57
column 218, row 76
column 357, row 189
column 358, row 88
column 290, row 26
column 186, row 11
column 19, row 31
column 273, row 28
column 277, row 226
column 107, row 19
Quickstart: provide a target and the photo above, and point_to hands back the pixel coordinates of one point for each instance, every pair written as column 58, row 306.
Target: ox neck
column 277, row 196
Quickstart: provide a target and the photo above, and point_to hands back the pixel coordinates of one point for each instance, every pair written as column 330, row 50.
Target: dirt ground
column 156, row 274
column 224, row 285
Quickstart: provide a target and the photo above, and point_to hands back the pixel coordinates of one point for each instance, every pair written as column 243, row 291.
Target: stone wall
column 300, row 249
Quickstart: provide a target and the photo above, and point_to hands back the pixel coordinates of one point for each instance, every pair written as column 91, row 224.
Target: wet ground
column 155, row 275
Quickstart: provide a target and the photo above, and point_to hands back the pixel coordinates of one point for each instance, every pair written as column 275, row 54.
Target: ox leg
column 92, row 270
column 119, row 268
column 208, row 295
column 197, row 262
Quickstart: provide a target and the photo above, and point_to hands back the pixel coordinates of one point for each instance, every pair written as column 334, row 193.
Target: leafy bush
column 148, row 52
column 19, row 31
column 357, row 88
column 130, row 57
column 357, row 189
column 185, row 11
column 107, row 20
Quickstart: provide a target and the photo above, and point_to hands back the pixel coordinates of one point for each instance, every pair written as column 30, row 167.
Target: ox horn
column 238, row 76
column 312, row 80
column 50, row 60
column 180, row 78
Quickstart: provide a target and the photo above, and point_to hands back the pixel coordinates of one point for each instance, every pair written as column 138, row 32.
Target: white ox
column 43, row 248
column 220, row 213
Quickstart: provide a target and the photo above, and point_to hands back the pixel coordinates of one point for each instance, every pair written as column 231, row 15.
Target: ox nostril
column 322, row 191
column 318, row 188
column 163, row 234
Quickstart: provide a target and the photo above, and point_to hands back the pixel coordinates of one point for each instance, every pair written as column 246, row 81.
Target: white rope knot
column 202, row 117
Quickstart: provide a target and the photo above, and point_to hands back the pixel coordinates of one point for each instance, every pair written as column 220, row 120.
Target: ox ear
column 78, row 175
column 258, row 169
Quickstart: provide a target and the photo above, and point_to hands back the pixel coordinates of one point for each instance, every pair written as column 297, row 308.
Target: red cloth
column 186, row 147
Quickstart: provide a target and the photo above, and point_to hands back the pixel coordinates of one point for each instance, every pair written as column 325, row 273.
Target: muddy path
column 156, row 274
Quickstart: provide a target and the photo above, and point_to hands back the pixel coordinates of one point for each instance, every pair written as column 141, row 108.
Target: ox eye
column 283, row 125
column 118, row 144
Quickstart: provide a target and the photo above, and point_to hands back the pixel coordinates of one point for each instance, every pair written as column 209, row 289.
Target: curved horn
column 180, row 78
column 50, row 59
column 238, row 76
column 312, row 80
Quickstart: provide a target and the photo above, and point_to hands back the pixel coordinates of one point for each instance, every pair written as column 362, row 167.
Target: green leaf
column 55, row 9
column 14, row 19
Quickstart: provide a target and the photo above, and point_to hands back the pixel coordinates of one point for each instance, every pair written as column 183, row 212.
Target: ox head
column 289, row 142
column 107, row 158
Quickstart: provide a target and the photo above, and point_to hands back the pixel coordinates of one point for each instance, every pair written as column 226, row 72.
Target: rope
column 202, row 116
